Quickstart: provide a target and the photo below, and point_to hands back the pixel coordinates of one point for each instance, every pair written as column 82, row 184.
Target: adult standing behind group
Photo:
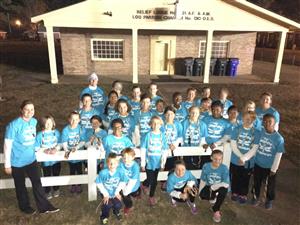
column 20, row 159
column 99, row 98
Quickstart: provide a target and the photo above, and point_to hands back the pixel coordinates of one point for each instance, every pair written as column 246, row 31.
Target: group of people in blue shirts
column 116, row 124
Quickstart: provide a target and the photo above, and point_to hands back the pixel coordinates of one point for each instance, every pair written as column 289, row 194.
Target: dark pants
column 75, row 168
column 190, row 197
column 127, row 199
column 240, row 177
column 32, row 172
column 53, row 170
column 112, row 203
column 151, row 180
column 262, row 174
column 207, row 194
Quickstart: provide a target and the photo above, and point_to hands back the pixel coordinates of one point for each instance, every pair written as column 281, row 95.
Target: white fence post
column 93, row 155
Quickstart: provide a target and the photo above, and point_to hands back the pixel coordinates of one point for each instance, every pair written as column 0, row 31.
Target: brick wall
column 76, row 50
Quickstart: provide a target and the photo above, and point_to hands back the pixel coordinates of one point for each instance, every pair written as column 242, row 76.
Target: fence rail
column 91, row 156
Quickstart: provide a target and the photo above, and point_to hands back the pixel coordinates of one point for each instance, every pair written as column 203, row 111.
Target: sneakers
column 49, row 195
column 268, row 205
column 56, row 193
column 29, row 211
column 192, row 206
column 145, row 189
column 242, row 199
column 152, row 201
column 217, row 217
column 118, row 215
column 173, row 203
column 51, row 210
column 126, row 211
column 254, row 202
column 104, row 221
column 234, row 197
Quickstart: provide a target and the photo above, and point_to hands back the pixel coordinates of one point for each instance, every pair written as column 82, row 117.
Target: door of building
column 162, row 55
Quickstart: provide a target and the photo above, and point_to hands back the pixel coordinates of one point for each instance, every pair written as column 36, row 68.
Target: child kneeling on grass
column 214, row 183
column 181, row 185
column 110, row 182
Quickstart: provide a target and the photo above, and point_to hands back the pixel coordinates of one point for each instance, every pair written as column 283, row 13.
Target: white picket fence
column 91, row 156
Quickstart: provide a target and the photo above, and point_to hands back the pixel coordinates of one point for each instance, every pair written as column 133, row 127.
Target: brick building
column 115, row 37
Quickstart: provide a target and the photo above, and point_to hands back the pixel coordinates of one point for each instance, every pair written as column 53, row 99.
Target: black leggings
column 207, row 194
column 53, row 170
column 151, row 180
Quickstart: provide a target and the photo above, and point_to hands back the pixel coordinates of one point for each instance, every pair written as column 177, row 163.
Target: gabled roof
column 264, row 13
column 225, row 15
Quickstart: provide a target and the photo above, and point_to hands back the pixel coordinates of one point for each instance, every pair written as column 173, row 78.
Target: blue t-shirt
column 193, row 132
column 111, row 181
column 143, row 119
column 187, row 105
column 160, row 114
column 204, row 114
column 110, row 113
column 215, row 128
column 73, row 137
column 245, row 138
column 214, row 176
column 181, row 114
column 154, row 100
column 129, row 124
column 114, row 144
column 226, row 104
column 260, row 114
column 99, row 98
column 85, row 117
column 101, row 134
column 132, row 172
column 172, row 132
column 177, row 183
column 23, row 134
column 268, row 146
column 154, row 145
column 47, row 139
column 135, row 107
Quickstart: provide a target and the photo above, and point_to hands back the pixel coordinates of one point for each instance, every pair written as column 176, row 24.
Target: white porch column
column 209, row 38
column 279, row 57
column 134, row 56
column 51, row 52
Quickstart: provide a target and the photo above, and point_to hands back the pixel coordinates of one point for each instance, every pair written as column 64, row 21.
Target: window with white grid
column 219, row 49
column 107, row 49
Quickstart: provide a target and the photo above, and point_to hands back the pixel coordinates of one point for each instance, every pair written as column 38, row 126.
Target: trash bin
column 198, row 67
column 221, row 65
column 212, row 66
column 232, row 67
column 179, row 66
column 188, row 63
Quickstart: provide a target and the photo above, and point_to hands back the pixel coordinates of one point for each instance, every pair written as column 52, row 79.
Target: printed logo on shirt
column 265, row 147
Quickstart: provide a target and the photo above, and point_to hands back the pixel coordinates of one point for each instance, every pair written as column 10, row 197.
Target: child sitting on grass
column 110, row 182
